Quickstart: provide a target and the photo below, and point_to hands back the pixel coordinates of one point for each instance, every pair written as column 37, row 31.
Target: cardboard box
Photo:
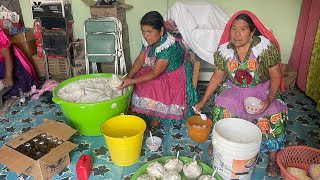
column 77, row 71
column 78, row 49
column 51, row 8
column 117, row 11
column 59, row 68
column 8, row 19
column 38, row 65
column 7, row 14
column 79, row 62
column 290, row 76
column 26, row 42
column 23, row 36
column 49, row 164
column 107, row 67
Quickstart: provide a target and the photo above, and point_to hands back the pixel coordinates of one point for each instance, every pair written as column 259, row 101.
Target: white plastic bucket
column 236, row 145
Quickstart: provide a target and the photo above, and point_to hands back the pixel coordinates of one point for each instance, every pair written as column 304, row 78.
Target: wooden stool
column 2, row 92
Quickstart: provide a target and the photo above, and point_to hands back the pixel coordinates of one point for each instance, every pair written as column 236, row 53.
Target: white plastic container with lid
column 236, row 144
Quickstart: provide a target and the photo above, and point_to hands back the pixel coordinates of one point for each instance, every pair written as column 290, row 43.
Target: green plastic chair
column 103, row 44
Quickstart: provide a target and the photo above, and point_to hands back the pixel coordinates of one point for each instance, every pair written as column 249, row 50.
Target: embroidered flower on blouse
column 232, row 65
column 242, row 75
column 252, row 64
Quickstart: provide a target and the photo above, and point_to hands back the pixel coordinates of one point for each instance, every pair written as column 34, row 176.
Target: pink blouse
column 4, row 43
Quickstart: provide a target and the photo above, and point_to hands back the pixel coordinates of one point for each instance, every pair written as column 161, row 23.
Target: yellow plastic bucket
column 124, row 136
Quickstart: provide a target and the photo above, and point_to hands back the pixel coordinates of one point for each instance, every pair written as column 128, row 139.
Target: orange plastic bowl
column 196, row 133
column 297, row 156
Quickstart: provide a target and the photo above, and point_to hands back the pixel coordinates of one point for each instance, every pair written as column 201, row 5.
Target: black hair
column 252, row 26
column 153, row 19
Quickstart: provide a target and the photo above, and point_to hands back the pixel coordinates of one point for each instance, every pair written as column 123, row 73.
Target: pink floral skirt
column 163, row 97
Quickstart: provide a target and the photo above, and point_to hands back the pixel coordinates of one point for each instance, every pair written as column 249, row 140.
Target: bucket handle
column 56, row 100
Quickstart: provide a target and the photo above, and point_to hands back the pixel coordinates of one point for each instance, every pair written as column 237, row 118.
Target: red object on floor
column 83, row 167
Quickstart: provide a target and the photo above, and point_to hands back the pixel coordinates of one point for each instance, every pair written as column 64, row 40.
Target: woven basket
column 297, row 156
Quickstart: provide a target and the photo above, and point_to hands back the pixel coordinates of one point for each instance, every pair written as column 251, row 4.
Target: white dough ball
column 174, row 165
column 155, row 169
column 192, row 170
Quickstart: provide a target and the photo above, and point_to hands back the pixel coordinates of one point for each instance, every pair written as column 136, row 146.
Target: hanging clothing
column 201, row 25
column 313, row 85
column 304, row 40
column 24, row 75
column 171, row 95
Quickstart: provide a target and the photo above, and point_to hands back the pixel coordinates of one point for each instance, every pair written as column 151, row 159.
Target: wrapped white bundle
column 115, row 81
column 71, row 92
column 206, row 177
column 146, row 177
column 155, row 169
column 192, row 170
column 174, row 165
column 171, row 175
column 91, row 90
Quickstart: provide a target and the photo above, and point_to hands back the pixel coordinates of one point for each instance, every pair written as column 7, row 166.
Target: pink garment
column 225, row 37
column 235, row 105
column 168, row 89
column 163, row 97
column 5, row 43
column 303, row 43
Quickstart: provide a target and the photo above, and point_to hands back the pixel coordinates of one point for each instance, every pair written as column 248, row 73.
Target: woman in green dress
column 162, row 75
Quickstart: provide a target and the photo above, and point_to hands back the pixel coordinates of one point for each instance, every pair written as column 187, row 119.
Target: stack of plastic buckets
column 236, row 144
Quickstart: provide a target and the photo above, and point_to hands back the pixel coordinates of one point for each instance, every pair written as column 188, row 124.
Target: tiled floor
column 7, row 106
column 303, row 129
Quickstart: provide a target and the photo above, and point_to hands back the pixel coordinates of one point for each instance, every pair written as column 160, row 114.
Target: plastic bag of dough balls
column 298, row 173
column 314, row 171
column 146, row 177
column 192, row 170
column 171, row 175
column 155, row 169
column 174, row 165
column 115, row 81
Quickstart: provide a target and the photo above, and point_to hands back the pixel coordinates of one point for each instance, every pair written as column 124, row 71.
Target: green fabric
column 268, row 58
column 174, row 54
column 313, row 78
